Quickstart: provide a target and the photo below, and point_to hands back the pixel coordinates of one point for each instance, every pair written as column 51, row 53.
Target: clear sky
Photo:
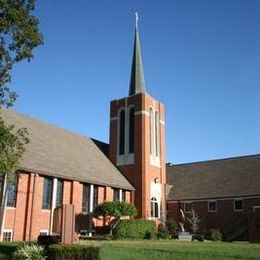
column 201, row 59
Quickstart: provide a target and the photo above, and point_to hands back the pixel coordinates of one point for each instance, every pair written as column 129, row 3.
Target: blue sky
column 201, row 59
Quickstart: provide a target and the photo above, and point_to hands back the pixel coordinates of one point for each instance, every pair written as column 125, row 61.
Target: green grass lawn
column 170, row 249
column 159, row 250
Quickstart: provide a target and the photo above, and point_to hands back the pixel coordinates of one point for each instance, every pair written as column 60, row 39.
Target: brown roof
column 57, row 152
column 232, row 177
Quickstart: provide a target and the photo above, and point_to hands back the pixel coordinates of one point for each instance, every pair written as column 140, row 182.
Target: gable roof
column 57, row 152
column 232, row 177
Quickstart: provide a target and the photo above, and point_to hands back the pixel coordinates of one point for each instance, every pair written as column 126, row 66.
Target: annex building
column 61, row 167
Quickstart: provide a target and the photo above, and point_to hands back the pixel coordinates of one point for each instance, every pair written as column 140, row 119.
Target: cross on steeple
column 136, row 20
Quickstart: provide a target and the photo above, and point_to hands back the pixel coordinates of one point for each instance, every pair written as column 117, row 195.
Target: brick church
column 61, row 167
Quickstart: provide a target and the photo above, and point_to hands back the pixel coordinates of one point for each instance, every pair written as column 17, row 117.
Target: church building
column 60, row 167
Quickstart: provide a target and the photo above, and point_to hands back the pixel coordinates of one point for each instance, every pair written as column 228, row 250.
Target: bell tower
column 137, row 140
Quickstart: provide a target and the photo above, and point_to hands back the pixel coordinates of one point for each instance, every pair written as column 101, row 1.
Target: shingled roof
column 232, row 177
column 57, row 152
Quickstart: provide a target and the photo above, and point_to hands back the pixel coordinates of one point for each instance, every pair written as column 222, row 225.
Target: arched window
column 156, row 130
column 154, row 208
column 151, row 130
column 122, row 132
column 131, row 129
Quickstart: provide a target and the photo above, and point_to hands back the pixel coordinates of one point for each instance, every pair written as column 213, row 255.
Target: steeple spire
column 137, row 84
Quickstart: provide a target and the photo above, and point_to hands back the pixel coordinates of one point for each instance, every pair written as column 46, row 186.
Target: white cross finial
column 136, row 20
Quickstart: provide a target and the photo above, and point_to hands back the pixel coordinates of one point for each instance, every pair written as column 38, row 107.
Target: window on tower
column 154, row 208
column 131, row 129
column 154, row 137
column 122, row 132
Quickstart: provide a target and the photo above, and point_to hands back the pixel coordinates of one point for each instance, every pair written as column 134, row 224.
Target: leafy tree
column 19, row 35
column 112, row 211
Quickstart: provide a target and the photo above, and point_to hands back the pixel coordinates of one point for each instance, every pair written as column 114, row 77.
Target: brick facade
column 27, row 218
column 233, row 224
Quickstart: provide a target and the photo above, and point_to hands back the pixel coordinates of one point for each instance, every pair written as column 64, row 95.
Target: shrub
column 79, row 252
column 214, row 234
column 172, row 227
column 8, row 248
column 135, row 229
column 162, row 232
column 198, row 237
column 29, row 252
column 46, row 240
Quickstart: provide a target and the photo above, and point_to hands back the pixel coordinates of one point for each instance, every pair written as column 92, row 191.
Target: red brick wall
column 28, row 218
column 225, row 219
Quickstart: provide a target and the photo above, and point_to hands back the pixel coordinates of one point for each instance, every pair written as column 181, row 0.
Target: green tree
column 19, row 35
column 112, row 211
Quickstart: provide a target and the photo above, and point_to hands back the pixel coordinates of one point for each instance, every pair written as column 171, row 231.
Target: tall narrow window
column 47, row 193
column 151, row 130
column 122, row 132
column 11, row 193
column 1, row 187
column 116, row 194
column 131, row 129
column 59, row 195
column 154, row 208
column 156, row 130
column 86, row 198
column 123, row 195
column 95, row 197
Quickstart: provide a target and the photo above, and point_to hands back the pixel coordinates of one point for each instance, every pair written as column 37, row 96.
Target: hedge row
column 135, row 229
column 77, row 252
column 8, row 248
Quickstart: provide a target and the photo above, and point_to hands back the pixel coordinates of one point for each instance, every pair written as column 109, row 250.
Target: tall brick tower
column 137, row 141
